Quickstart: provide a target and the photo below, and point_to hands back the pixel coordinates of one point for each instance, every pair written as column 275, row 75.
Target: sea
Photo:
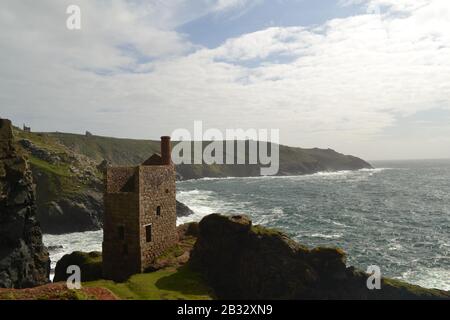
column 396, row 216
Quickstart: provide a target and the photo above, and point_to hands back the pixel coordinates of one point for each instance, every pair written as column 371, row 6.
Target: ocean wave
column 433, row 278
column 316, row 174
column 202, row 203
column 59, row 245
column 193, row 192
column 326, row 236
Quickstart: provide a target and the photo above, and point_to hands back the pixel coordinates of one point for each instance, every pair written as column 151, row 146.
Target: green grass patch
column 173, row 252
column 58, row 180
column 166, row 284
column 260, row 230
column 43, row 141
column 60, row 170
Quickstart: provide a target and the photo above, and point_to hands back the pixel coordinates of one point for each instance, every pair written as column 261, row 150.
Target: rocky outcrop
column 78, row 213
column 183, row 210
column 90, row 266
column 241, row 261
column 24, row 260
column 39, row 153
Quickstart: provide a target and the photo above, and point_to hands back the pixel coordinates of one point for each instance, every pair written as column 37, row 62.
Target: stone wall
column 157, row 189
column 121, row 179
column 121, row 257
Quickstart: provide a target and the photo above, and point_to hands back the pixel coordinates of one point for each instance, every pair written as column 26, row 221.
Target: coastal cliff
column 24, row 260
column 225, row 257
column 242, row 261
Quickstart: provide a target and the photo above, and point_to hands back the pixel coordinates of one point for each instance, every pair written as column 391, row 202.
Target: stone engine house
column 140, row 214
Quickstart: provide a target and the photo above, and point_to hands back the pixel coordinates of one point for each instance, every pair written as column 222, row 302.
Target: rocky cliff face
column 24, row 260
column 241, row 261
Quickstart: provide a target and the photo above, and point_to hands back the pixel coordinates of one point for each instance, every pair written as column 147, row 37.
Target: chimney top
column 166, row 150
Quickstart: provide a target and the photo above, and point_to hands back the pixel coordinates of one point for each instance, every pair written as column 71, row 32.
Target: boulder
column 90, row 265
column 183, row 210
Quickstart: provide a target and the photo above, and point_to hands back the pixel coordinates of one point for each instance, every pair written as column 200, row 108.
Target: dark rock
column 183, row 210
column 79, row 213
column 102, row 166
column 39, row 153
column 187, row 230
column 241, row 261
column 24, row 260
column 90, row 265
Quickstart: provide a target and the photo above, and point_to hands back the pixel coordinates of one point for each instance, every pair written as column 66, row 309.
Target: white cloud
column 340, row 84
column 221, row 5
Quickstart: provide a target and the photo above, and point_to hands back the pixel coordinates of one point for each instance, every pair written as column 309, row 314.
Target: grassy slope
column 56, row 180
column 132, row 152
column 118, row 151
column 166, row 284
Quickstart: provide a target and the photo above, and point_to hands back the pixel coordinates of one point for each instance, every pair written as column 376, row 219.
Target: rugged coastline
column 227, row 257
column 224, row 257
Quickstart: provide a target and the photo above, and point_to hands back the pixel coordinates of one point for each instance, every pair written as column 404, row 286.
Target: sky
column 364, row 77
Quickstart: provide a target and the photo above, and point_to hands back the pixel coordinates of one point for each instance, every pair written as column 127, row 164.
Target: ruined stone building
column 26, row 129
column 140, row 214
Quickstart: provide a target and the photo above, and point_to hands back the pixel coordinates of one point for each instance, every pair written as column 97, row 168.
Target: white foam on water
column 202, row 203
column 433, row 278
column 59, row 245
column 326, row 236
column 278, row 211
column 339, row 224
column 317, row 174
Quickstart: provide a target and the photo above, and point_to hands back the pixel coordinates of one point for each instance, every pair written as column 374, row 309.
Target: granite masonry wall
column 121, row 179
column 158, row 209
column 121, row 251
column 140, row 218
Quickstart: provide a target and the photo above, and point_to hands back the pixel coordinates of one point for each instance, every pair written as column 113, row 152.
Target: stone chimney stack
column 166, row 151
